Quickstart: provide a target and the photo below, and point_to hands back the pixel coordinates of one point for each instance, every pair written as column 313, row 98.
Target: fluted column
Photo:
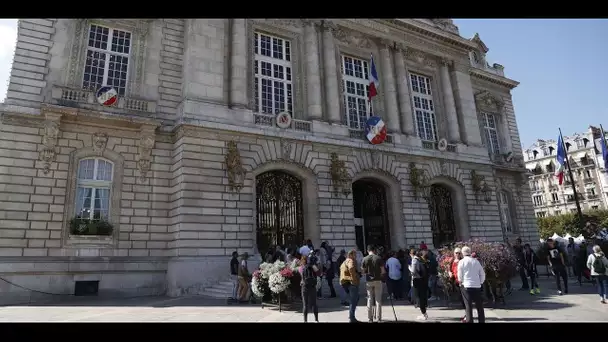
column 403, row 93
column 315, row 108
column 238, row 64
column 332, row 95
column 449, row 103
column 390, row 94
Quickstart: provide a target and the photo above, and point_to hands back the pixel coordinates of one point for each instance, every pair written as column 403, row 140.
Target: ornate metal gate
column 442, row 216
column 369, row 200
column 280, row 219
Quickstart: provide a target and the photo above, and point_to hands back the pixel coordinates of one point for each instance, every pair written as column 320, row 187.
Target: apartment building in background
column 590, row 177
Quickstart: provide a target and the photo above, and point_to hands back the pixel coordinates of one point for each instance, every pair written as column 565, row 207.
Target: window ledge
column 90, row 240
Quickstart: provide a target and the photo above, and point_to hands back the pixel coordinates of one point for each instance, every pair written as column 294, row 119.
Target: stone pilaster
column 463, row 91
column 390, row 93
column 450, row 105
column 315, row 107
column 403, row 93
column 238, row 64
column 332, row 95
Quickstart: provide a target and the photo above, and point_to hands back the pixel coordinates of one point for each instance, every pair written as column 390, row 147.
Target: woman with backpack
column 420, row 281
column 309, row 272
column 598, row 264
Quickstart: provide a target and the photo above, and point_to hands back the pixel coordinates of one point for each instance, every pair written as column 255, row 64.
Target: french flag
column 373, row 80
column 561, row 160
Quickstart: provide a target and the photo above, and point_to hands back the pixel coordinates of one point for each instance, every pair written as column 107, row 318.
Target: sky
column 560, row 64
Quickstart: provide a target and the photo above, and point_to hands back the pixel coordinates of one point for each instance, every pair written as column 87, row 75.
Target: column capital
column 329, row 25
column 312, row 22
column 446, row 62
column 385, row 43
column 401, row 47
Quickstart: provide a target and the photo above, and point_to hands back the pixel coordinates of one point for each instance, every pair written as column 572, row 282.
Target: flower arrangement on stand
column 272, row 280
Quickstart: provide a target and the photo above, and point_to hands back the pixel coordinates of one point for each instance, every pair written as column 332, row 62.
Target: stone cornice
column 432, row 32
column 499, row 80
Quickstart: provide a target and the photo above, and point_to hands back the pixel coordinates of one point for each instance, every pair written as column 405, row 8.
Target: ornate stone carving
column 420, row 57
column 446, row 24
column 313, row 22
column 339, row 176
column 234, row 167
column 375, row 158
column 49, row 141
column 285, row 149
column 352, row 38
column 485, row 100
column 417, row 179
column 444, row 167
column 144, row 156
column 100, row 141
column 480, row 187
column 282, row 22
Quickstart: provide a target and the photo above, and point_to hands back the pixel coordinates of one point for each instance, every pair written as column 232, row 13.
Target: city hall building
column 137, row 155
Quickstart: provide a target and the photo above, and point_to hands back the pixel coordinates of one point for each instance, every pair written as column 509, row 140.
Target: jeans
column 533, row 279
column 560, row 272
column 421, row 289
column 309, row 302
column 394, row 288
column 353, row 295
column 343, row 294
column 374, row 299
column 472, row 296
column 235, row 285
column 524, row 278
column 432, row 286
column 602, row 286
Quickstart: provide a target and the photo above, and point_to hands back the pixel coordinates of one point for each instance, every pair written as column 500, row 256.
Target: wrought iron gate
column 369, row 200
column 280, row 219
column 442, row 216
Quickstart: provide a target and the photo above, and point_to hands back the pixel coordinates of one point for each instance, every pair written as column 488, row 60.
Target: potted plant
column 87, row 227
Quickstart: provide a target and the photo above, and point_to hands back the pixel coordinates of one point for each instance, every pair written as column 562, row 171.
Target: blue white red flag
column 561, row 160
column 604, row 149
column 375, row 130
column 374, row 84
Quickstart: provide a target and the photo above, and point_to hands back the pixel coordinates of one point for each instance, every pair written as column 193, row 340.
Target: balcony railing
column 66, row 96
column 592, row 197
column 269, row 120
column 588, row 180
column 433, row 145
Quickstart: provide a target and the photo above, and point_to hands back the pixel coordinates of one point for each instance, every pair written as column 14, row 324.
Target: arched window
column 93, row 189
column 505, row 211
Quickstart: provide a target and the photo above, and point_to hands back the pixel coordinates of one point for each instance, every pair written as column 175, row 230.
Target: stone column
column 403, row 91
column 390, row 94
column 449, row 103
column 463, row 90
column 315, row 107
column 238, row 64
column 332, row 94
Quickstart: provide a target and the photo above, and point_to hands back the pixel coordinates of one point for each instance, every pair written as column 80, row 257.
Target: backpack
column 598, row 265
column 309, row 278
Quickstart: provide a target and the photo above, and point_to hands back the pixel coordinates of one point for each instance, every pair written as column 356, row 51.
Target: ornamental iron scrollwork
column 234, row 167
column 442, row 215
column 339, row 176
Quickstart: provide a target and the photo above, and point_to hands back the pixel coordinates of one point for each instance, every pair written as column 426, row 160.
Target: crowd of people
column 413, row 275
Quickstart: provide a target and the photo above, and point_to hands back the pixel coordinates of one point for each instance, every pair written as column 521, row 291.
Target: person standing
column 572, row 252
column 454, row 275
column 372, row 267
column 557, row 264
column 471, row 275
column 530, row 261
column 309, row 272
column 234, row 274
column 244, row 278
column 327, row 252
column 518, row 250
column 306, row 248
column 433, row 272
column 598, row 264
column 420, row 282
column 410, row 295
column 393, row 283
column 349, row 280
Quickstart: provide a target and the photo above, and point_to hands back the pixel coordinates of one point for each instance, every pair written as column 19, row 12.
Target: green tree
column 570, row 224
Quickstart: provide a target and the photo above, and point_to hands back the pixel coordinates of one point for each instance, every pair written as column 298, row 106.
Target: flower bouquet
column 272, row 280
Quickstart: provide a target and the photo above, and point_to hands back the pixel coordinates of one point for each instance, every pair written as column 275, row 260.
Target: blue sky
column 562, row 66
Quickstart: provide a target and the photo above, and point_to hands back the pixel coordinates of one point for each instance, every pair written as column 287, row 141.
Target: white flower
column 277, row 283
column 256, row 288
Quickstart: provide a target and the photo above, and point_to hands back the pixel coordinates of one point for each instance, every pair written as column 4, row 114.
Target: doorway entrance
column 371, row 215
column 442, row 216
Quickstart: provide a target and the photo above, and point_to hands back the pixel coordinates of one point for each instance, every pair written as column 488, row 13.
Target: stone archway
column 448, row 210
column 308, row 205
column 393, row 212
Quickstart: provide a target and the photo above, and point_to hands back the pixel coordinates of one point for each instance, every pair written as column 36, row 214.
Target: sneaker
column 463, row 319
column 422, row 317
column 537, row 290
column 532, row 292
column 559, row 293
column 603, row 301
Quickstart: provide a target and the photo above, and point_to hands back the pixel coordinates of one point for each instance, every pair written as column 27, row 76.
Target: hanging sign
column 106, row 96
column 375, row 130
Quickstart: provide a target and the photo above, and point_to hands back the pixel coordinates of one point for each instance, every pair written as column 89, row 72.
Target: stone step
column 225, row 291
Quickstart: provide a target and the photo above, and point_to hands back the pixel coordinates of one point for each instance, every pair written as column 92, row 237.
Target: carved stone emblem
column 234, row 167
column 420, row 57
column 285, row 149
column 417, row 179
column 375, row 159
column 486, row 100
column 49, row 141
column 480, row 187
column 352, row 38
column 144, row 157
column 100, row 141
column 339, row 175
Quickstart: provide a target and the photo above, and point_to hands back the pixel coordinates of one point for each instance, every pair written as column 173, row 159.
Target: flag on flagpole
column 561, row 160
column 374, row 84
column 604, row 148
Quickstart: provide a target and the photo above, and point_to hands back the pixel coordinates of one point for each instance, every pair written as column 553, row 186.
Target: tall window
column 93, row 189
column 356, row 91
column 273, row 75
column 505, row 212
column 424, row 108
column 489, row 128
column 538, row 200
column 555, row 197
column 107, row 61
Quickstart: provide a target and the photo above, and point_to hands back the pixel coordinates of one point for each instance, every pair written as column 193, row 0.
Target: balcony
column 495, row 68
column 433, row 145
column 588, row 180
column 73, row 97
column 592, row 197
column 269, row 120
column 586, row 162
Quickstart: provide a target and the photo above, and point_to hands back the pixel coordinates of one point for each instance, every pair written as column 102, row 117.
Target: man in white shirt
column 471, row 277
column 394, row 276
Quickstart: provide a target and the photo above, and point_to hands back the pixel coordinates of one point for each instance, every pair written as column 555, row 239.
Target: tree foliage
column 570, row 224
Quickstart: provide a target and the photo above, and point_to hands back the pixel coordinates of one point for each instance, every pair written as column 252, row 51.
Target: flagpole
column 578, row 205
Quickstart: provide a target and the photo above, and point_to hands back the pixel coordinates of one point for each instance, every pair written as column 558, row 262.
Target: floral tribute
column 272, row 279
column 497, row 259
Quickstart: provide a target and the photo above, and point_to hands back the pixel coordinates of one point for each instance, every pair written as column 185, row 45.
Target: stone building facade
column 591, row 181
column 190, row 164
